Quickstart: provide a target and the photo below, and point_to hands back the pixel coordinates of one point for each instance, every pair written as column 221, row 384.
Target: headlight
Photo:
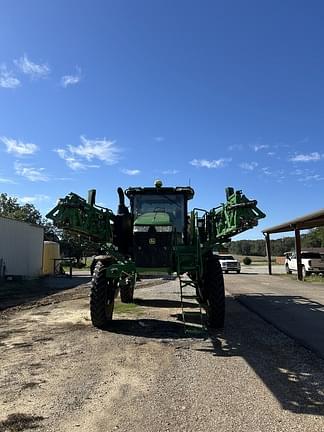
column 163, row 228
column 141, row 228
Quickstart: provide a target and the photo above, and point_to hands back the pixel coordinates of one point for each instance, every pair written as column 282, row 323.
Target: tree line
column 313, row 239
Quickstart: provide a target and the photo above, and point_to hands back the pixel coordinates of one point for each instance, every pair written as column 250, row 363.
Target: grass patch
column 128, row 308
column 314, row 278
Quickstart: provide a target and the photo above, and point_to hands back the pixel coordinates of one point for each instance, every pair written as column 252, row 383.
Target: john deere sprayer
column 156, row 234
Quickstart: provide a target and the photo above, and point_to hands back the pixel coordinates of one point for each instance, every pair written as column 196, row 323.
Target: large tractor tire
column 127, row 291
column 215, row 292
column 101, row 297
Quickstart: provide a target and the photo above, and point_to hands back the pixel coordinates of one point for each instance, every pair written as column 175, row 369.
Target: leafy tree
column 9, row 207
column 315, row 238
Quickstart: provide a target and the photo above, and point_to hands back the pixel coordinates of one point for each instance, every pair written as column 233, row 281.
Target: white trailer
column 21, row 248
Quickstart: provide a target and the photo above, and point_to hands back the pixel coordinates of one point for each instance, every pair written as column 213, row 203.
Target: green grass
column 128, row 308
column 317, row 279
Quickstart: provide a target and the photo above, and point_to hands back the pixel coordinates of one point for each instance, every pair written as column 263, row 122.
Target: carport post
column 298, row 255
column 268, row 247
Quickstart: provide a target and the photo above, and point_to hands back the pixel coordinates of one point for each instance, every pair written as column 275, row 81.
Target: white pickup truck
column 229, row 263
column 312, row 262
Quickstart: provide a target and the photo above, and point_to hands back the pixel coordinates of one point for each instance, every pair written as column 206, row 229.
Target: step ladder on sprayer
column 187, row 262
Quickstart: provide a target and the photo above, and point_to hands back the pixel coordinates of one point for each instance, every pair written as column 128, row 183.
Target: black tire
column 101, row 297
column 238, row 271
column 287, row 269
column 215, row 292
column 225, row 271
column 92, row 266
column 127, row 291
column 304, row 272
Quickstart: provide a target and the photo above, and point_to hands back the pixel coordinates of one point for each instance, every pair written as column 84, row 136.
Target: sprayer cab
column 159, row 223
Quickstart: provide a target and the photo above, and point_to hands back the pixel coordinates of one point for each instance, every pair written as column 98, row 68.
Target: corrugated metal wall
column 21, row 247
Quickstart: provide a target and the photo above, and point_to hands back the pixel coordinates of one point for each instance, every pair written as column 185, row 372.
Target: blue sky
column 101, row 94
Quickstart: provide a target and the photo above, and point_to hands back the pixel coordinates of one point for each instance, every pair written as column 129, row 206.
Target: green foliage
column 315, row 238
column 9, row 207
column 247, row 260
column 258, row 248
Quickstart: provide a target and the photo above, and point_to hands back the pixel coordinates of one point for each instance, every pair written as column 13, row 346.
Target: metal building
column 21, row 248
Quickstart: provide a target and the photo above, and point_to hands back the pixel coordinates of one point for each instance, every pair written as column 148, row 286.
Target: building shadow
column 16, row 293
column 294, row 375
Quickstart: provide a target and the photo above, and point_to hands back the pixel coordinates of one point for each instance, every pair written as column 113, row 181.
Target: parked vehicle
column 312, row 262
column 229, row 263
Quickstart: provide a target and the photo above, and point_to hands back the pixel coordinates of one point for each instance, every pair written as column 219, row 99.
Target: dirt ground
column 59, row 373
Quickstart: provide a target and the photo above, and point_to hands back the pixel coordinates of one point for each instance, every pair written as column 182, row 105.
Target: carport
column 311, row 220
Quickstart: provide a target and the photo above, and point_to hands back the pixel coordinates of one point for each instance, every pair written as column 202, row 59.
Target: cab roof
column 185, row 190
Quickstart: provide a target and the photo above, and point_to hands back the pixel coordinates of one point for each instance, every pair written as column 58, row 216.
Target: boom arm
column 221, row 223
column 76, row 214
column 238, row 214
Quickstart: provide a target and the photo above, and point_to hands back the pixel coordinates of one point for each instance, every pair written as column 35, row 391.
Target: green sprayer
column 156, row 234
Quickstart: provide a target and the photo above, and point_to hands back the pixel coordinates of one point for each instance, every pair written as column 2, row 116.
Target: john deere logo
column 152, row 241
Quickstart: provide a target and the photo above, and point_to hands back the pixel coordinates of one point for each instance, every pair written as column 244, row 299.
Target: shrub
column 247, row 260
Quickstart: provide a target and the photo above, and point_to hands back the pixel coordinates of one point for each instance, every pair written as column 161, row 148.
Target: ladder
column 186, row 310
column 187, row 262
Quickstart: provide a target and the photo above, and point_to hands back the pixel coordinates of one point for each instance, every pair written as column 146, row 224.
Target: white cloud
column 30, row 173
column 33, row 199
column 32, row 69
column 258, row 147
column 7, row 79
column 18, row 148
column 6, row 180
column 249, row 166
column 266, row 171
column 159, row 138
column 311, row 157
column 102, row 149
column 131, row 172
column 204, row 163
column 99, row 149
column 170, row 172
column 314, row 177
column 235, row 147
column 68, row 80
column 271, row 153
column 71, row 162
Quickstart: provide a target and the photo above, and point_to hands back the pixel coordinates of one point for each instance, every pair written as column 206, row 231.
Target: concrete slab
column 296, row 308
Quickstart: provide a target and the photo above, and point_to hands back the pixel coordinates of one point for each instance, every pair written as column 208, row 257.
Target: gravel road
column 146, row 374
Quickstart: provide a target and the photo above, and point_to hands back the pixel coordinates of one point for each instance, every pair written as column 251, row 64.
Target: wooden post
column 298, row 255
column 268, row 247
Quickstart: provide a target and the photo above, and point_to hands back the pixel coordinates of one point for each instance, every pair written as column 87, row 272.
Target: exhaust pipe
column 122, row 209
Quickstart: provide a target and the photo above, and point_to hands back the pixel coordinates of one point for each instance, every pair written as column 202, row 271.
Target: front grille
column 153, row 249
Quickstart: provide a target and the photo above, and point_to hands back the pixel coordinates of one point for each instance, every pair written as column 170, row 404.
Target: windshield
column 225, row 257
column 171, row 204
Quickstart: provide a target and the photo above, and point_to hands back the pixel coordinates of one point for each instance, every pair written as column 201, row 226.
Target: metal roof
column 308, row 221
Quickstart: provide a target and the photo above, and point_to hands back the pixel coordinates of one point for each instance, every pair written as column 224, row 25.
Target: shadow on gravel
column 16, row 293
column 154, row 328
column 162, row 303
column 294, row 375
column 20, row 422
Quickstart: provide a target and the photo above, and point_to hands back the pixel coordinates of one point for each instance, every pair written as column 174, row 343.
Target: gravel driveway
column 58, row 373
